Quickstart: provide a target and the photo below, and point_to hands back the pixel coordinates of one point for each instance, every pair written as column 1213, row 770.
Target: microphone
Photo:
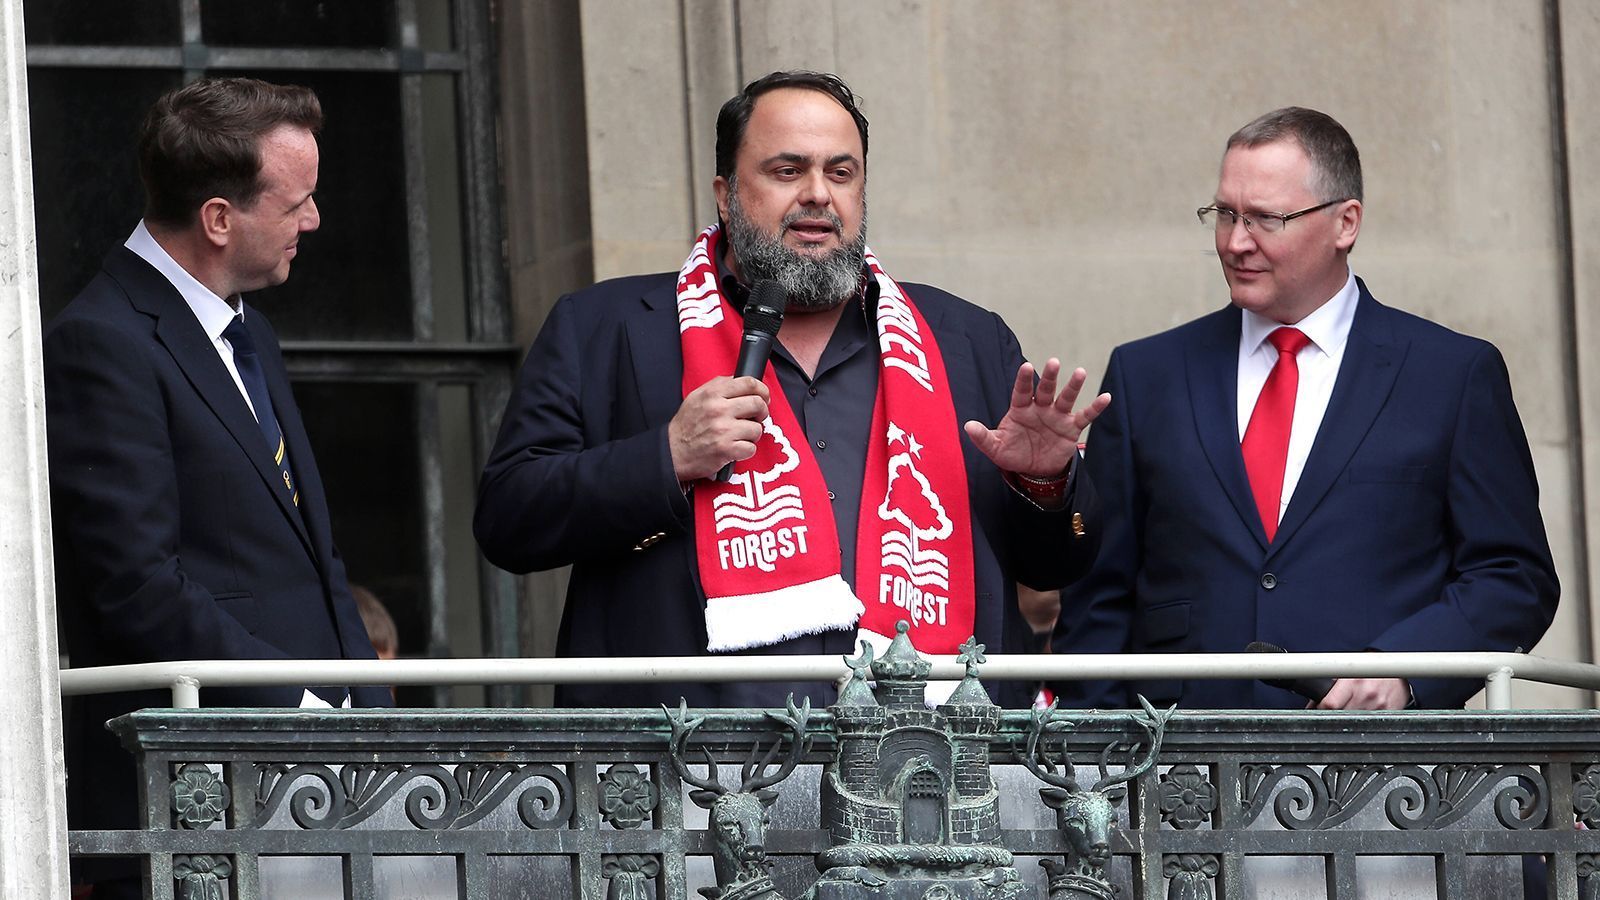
column 763, row 316
column 1312, row 688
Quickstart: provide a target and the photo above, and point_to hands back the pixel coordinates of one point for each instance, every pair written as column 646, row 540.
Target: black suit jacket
column 1415, row 524
column 175, row 537
column 581, row 475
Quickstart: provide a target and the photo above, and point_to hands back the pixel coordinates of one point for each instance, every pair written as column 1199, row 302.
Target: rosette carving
column 437, row 798
column 1187, row 798
column 198, row 796
column 627, row 796
column 1586, row 795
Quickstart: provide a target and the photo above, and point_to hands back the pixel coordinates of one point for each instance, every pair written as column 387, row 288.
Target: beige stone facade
column 1044, row 159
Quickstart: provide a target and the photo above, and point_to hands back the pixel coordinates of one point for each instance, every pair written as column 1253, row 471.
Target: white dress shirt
column 1328, row 327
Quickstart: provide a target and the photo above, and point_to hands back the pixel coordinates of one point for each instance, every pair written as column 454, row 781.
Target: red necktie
column 1266, row 438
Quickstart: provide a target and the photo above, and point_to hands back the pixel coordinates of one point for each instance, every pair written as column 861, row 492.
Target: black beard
column 813, row 283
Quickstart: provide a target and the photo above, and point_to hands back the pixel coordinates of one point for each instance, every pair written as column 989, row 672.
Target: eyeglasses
column 1222, row 219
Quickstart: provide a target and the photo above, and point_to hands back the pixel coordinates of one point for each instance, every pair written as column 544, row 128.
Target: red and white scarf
column 766, row 542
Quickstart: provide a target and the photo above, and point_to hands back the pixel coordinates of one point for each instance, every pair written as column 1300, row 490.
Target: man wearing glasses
column 1306, row 467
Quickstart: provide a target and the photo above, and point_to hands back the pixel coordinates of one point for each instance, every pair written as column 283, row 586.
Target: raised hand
column 1039, row 433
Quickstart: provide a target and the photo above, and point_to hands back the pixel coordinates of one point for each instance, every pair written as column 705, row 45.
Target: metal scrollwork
column 439, row 798
column 1525, row 804
column 629, row 875
column 627, row 796
column 198, row 796
column 542, row 806
column 1189, row 875
column 1422, row 799
column 200, row 877
column 1187, row 798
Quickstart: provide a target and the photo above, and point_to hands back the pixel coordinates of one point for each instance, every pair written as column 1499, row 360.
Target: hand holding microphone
column 721, row 420
column 1311, row 687
column 763, row 316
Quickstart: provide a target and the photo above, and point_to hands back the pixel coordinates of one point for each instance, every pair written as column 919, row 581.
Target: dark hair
column 1333, row 155
column 735, row 114
column 203, row 140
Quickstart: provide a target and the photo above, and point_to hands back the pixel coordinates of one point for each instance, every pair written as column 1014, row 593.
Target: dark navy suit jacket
column 1415, row 525
column 175, row 537
column 581, row 474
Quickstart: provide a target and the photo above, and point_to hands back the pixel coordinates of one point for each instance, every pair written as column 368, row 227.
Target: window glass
column 136, row 23
column 298, row 23
column 365, row 438
column 441, row 163
column 86, row 193
column 435, row 24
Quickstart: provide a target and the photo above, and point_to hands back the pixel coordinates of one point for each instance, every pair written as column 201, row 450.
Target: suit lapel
column 655, row 349
column 1213, row 376
column 1366, row 376
column 180, row 332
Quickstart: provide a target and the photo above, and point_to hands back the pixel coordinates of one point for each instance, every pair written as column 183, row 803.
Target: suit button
column 649, row 542
column 822, row 445
column 1269, row 581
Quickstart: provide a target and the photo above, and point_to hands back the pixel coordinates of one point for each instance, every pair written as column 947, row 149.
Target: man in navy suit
column 607, row 448
column 1307, row 467
column 189, row 519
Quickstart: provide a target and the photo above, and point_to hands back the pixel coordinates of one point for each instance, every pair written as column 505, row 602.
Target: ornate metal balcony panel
column 595, row 795
column 880, row 796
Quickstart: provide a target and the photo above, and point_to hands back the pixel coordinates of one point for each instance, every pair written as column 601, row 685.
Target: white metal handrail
column 184, row 679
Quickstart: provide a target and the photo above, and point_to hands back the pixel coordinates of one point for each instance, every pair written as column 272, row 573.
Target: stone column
column 33, row 814
column 1580, row 85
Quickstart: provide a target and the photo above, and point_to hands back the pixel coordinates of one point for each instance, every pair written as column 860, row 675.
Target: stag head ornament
column 739, row 818
column 1086, row 817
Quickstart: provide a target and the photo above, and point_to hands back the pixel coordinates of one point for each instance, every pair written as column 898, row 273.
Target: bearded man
column 898, row 460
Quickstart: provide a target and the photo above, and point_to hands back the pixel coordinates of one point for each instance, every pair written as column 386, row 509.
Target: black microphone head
column 1313, row 688
column 763, row 311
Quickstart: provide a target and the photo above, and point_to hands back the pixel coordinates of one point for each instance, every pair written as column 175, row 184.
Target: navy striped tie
column 255, row 384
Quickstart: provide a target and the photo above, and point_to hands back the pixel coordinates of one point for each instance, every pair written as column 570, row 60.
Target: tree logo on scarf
column 750, row 504
column 923, row 584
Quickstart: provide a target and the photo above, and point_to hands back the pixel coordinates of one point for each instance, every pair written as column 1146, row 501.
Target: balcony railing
column 1497, row 670
column 593, row 803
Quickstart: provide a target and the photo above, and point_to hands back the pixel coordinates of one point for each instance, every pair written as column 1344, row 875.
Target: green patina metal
column 879, row 796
